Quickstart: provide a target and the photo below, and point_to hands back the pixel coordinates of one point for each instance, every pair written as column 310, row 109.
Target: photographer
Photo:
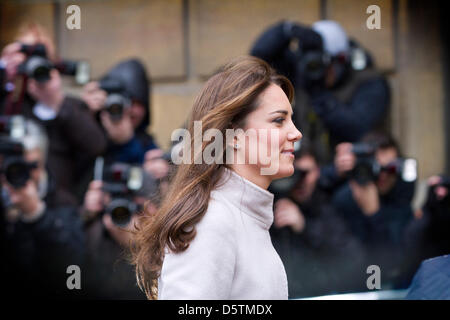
column 110, row 212
column 74, row 136
column 332, row 74
column 427, row 236
column 121, row 100
column 43, row 236
column 376, row 200
column 319, row 252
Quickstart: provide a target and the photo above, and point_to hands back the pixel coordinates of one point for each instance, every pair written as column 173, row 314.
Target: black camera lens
column 312, row 65
column 17, row 173
column 41, row 74
column 121, row 211
column 115, row 110
column 38, row 68
column 121, row 216
column 115, row 105
column 282, row 187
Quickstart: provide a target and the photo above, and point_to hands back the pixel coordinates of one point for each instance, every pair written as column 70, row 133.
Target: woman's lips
column 288, row 152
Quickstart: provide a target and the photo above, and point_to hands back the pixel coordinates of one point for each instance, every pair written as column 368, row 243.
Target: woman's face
column 275, row 134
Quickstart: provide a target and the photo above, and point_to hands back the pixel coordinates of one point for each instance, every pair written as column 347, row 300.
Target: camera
column 38, row 66
column 367, row 169
column 124, row 182
column 116, row 101
column 312, row 65
column 282, row 187
column 16, row 170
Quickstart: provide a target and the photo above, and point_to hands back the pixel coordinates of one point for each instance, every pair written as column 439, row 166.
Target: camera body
column 367, row 169
column 122, row 181
column 313, row 65
column 37, row 65
column 16, row 170
column 283, row 187
column 116, row 101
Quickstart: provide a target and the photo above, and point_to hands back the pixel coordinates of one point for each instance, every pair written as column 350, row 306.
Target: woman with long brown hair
column 210, row 238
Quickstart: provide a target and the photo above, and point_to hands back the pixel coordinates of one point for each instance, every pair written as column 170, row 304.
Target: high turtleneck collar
column 247, row 197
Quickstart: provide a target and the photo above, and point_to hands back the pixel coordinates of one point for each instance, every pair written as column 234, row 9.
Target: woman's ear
column 238, row 138
column 232, row 143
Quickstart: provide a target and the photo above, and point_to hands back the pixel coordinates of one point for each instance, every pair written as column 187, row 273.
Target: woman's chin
column 285, row 171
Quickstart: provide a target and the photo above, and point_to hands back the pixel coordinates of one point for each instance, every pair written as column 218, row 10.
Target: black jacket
column 324, row 258
column 38, row 254
column 382, row 233
column 75, row 139
column 132, row 76
column 109, row 274
column 428, row 236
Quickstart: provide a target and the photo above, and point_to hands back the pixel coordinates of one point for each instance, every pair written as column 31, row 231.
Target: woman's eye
column 279, row 120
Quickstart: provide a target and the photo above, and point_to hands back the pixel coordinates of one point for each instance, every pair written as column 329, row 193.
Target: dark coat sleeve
column 133, row 151
column 432, row 280
column 385, row 227
column 351, row 121
column 83, row 132
column 272, row 46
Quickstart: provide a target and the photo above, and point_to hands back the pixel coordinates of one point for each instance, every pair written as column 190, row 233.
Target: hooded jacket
column 137, row 86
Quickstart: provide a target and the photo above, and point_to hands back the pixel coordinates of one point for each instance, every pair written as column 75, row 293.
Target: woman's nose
column 295, row 135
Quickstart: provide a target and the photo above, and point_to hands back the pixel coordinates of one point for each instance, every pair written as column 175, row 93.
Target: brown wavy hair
column 224, row 102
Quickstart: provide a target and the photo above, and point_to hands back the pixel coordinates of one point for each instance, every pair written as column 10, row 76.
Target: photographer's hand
column 50, row 92
column 121, row 131
column 93, row 96
column 12, row 58
column 287, row 213
column 122, row 235
column 94, row 200
column 366, row 197
column 344, row 160
column 155, row 165
column 307, row 37
column 440, row 191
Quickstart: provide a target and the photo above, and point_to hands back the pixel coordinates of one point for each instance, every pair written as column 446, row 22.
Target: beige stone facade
column 183, row 41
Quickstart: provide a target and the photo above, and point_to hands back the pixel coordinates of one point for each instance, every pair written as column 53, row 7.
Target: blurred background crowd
column 86, row 117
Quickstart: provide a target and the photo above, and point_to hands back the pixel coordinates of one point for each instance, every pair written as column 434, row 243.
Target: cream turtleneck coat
column 232, row 256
